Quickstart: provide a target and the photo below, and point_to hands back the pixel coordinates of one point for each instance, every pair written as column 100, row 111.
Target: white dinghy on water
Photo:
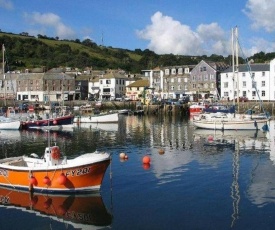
column 232, row 121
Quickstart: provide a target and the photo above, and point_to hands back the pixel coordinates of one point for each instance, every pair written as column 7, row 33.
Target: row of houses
column 197, row 81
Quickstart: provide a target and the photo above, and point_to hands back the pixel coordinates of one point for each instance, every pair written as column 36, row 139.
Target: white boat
column 7, row 123
column 97, row 118
column 232, row 121
column 228, row 121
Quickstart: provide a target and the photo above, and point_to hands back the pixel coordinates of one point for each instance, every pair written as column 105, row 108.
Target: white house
column 254, row 81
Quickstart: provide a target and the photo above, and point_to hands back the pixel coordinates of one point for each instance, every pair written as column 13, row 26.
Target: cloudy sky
column 184, row 27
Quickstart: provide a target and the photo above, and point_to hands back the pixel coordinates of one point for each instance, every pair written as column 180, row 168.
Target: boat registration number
column 78, row 172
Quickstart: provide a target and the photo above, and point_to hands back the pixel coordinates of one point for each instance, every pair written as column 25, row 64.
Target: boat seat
column 17, row 162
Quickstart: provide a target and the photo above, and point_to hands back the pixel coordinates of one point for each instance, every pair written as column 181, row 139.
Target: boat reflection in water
column 80, row 211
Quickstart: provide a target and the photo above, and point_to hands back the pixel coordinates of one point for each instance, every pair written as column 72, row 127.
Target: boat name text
column 78, row 172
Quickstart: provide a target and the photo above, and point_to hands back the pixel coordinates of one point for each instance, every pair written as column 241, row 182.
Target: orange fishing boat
column 81, row 211
column 54, row 173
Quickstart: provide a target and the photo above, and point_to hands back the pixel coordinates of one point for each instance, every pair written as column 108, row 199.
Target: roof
column 139, row 83
column 253, row 67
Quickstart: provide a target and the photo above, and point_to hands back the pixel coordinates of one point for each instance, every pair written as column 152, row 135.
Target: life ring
column 55, row 153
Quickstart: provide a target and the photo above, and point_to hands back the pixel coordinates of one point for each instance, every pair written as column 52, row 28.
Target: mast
column 237, row 66
column 233, row 64
column 3, row 70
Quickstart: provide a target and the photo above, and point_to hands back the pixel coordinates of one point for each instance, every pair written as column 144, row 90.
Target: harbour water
column 202, row 180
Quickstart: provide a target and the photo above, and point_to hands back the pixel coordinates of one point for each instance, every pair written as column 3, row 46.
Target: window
column 225, row 94
column 263, row 83
column 180, row 71
column 179, row 87
column 253, row 74
column 253, row 93
column 172, row 80
column 254, row 84
column 108, row 81
column 244, row 93
column 244, row 84
column 263, row 93
column 263, row 74
column 225, row 84
column 179, row 80
column 194, row 86
column 243, row 74
column 167, row 71
column 205, row 77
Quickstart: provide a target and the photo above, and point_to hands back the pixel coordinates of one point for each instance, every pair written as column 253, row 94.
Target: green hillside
column 31, row 52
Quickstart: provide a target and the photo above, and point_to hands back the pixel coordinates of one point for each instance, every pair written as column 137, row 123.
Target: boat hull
column 53, row 123
column 104, row 118
column 79, row 178
column 10, row 125
column 230, row 125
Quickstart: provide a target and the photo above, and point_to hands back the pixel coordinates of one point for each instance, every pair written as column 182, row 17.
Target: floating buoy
column 62, row 179
column 33, row 181
column 46, row 180
column 126, row 157
column 161, row 151
column 48, row 203
column 146, row 160
column 122, row 155
column 55, row 153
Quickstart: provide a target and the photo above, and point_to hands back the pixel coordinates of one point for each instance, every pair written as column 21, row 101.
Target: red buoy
column 146, row 160
column 62, row 179
column 33, row 181
column 46, row 180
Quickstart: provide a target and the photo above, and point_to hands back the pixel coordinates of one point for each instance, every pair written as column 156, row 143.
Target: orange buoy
column 62, row 179
column 33, row 181
column 46, row 180
column 146, row 160
column 48, row 203
column 55, row 153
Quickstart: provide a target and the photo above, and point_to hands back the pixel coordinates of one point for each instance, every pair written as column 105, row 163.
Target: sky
column 180, row 27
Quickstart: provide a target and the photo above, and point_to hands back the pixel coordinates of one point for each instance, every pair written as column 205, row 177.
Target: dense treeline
column 23, row 51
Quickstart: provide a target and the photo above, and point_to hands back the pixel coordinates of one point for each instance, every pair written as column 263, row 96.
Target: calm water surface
column 204, row 180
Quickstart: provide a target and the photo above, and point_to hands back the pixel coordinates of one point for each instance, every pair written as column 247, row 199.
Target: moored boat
column 54, row 173
column 228, row 121
column 52, row 123
column 97, row 118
